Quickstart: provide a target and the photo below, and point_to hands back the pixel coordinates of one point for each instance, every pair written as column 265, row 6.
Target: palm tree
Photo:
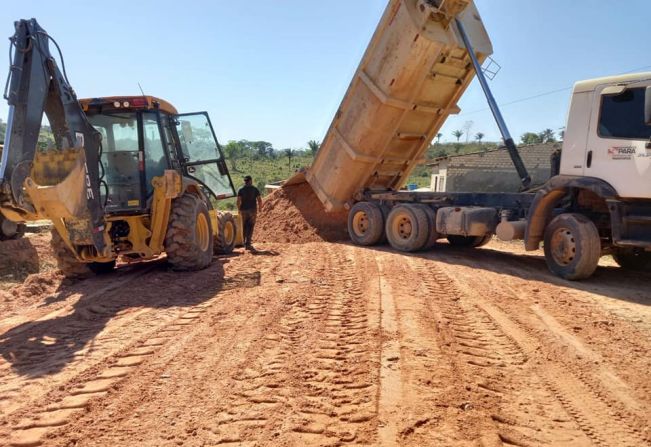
column 290, row 154
column 457, row 134
column 314, row 146
column 438, row 138
column 479, row 136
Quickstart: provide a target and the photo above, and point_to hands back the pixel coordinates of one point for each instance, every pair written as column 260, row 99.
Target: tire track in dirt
column 313, row 377
column 589, row 375
column 512, row 403
column 582, row 399
column 109, row 357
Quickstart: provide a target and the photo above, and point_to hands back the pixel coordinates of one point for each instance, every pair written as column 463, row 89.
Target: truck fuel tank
column 466, row 221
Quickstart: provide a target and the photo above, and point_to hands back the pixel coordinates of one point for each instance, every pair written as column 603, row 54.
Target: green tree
column 479, row 136
column 457, row 134
column 438, row 138
column 314, row 146
column 547, row 136
column 531, row 138
column 233, row 151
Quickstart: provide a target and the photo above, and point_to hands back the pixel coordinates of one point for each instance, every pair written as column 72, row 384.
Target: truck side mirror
column 647, row 106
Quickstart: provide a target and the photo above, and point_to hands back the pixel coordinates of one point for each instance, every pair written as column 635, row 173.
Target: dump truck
column 127, row 176
column 420, row 60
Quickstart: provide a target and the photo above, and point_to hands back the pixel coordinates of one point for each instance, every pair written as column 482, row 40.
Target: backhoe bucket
column 57, row 186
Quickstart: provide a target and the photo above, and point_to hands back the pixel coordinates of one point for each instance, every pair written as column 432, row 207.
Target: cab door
column 200, row 155
column 617, row 144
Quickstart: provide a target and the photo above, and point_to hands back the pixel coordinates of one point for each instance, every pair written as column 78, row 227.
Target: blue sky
column 277, row 70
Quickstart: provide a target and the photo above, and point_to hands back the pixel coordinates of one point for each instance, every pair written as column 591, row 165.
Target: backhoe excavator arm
column 35, row 86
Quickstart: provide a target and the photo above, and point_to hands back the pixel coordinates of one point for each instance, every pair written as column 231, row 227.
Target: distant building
column 491, row 171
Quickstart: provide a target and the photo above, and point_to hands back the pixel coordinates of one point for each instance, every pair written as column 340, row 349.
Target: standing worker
column 248, row 201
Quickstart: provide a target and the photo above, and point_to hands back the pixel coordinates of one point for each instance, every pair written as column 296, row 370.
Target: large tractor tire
column 407, row 228
column 189, row 239
column 66, row 261
column 639, row 261
column 227, row 234
column 10, row 230
column 469, row 241
column 366, row 224
column 572, row 246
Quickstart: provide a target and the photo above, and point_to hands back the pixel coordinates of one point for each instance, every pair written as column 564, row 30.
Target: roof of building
column 532, row 155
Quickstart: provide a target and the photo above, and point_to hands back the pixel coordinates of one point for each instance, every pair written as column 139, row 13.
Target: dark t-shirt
column 249, row 195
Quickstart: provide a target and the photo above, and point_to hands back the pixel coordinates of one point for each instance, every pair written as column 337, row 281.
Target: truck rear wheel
column 189, row 239
column 225, row 237
column 433, row 235
column 66, row 260
column 366, row 224
column 469, row 241
column 633, row 260
column 407, row 228
column 572, row 246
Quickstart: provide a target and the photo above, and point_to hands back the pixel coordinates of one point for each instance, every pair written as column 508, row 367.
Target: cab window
column 622, row 116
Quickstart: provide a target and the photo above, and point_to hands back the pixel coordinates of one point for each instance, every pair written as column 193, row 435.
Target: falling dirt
column 294, row 214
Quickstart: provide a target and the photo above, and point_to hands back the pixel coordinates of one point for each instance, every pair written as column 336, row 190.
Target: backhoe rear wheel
column 225, row 238
column 189, row 239
column 66, row 260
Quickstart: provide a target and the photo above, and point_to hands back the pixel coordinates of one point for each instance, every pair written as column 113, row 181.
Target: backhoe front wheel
column 227, row 234
column 572, row 246
column 189, row 239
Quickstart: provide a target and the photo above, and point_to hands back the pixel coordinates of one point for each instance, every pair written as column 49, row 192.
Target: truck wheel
column 469, row 241
column 407, row 228
column 102, row 268
column 366, row 224
column 66, row 261
column 189, row 239
column 433, row 235
column 225, row 237
column 633, row 260
column 572, row 246
column 10, row 230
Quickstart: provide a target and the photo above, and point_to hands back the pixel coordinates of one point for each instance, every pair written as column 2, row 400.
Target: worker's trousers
column 248, row 221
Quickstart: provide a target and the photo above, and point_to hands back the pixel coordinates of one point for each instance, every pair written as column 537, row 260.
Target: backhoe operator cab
column 163, row 174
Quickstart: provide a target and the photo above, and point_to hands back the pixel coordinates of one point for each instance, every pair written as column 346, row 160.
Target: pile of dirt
column 295, row 215
column 27, row 269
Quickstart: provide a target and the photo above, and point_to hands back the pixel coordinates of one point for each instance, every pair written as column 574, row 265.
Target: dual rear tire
column 407, row 227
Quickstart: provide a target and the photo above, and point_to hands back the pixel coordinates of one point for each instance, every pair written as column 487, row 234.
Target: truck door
column 616, row 150
column 201, row 157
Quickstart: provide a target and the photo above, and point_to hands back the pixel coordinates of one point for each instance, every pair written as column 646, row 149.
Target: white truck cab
column 607, row 136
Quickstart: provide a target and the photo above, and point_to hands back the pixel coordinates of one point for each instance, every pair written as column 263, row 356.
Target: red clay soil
column 27, row 270
column 295, row 215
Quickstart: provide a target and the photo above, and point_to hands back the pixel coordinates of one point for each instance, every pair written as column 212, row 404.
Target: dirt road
column 330, row 344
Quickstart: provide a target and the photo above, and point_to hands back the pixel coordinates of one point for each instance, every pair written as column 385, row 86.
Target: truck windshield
column 622, row 116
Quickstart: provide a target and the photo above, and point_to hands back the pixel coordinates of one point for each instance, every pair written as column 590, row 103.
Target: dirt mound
column 27, row 271
column 295, row 214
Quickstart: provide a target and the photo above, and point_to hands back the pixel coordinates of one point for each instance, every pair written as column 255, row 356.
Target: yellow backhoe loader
column 127, row 177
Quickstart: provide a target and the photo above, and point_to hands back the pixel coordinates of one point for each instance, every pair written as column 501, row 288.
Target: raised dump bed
column 409, row 81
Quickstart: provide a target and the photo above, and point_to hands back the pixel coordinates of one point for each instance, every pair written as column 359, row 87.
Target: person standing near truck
column 248, row 202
